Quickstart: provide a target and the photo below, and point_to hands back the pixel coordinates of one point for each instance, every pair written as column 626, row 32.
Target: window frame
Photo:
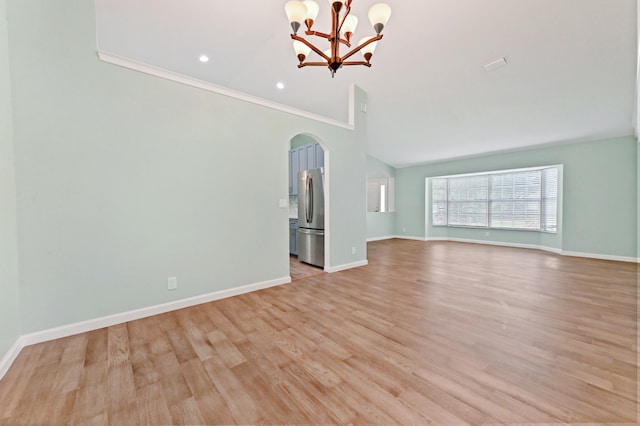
column 543, row 224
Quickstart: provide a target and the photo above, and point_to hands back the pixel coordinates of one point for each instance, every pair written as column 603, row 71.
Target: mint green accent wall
column 9, row 287
column 597, row 176
column 125, row 179
column 378, row 169
column 380, row 224
column 301, row 140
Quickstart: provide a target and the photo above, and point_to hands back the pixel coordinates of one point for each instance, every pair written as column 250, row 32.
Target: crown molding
column 224, row 91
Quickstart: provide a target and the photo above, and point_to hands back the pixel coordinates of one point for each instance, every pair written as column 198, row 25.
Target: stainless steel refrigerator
column 311, row 216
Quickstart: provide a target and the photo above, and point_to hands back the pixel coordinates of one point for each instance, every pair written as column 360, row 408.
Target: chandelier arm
column 358, row 48
column 312, row 64
column 365, row 63
column 327, row 36
column 311, row 46
column 346, row 13
column 318, row 34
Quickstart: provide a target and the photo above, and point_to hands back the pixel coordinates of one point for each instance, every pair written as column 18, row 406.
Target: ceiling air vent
column 494, row 65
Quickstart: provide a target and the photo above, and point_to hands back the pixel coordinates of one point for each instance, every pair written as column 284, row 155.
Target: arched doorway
column 308, row 206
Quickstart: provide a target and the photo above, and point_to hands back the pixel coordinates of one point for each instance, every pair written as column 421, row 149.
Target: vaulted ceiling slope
column 570, row 73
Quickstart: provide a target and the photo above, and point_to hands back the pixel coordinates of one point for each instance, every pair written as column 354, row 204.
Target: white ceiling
column 571, row 72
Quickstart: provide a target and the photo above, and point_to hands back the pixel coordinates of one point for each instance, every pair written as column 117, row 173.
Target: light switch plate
column 284, row 204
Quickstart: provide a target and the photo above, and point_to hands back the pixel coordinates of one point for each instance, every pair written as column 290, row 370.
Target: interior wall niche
column 380, row 195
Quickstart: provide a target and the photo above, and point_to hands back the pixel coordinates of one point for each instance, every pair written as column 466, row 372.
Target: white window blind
column 467, row 201
column 525, row 199
column 550, row 199
column 515, row 200
column 439, row 201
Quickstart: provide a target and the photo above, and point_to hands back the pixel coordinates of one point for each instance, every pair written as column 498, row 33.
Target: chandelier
column 342, row 29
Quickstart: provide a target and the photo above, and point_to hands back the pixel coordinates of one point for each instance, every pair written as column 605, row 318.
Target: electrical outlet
column 487, row 233
column 404, row 229
column 172, row 283
column 353, row 250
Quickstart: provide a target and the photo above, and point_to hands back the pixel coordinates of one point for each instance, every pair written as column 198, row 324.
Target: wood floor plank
column 434, row 333
column 121, row 388
column 38, row 398
column 186, row 412
column 242, row 407
column 181, row 345
column 19, row 375
column 432, row 412
column 174, row 383
column 118, row 345
column 144, row 373
column 214, row 410
column 195, row 327
column 90, row 404
column 196, row 378
column 299, row 270
column 274, row 410
column 227, row 351
column 367, row 412
column 221, row 322
column 153, row 408
column 305, row 397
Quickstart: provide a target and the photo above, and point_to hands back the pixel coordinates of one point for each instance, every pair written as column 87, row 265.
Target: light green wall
column 9, row 289
column 301, row 140
column 597, row 176
column 125, row 179
column 380, row 224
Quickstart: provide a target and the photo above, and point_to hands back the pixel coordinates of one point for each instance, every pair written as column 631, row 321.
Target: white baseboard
column 11, row 356
column 602, row 256
column 339, row 268
column 550, row 249
column 388, row 237
column 408, row 237
column 526, row 246
column 498, row 243
column 107, row 321
column 94, row 324
column 544, row 248
column 402, row 237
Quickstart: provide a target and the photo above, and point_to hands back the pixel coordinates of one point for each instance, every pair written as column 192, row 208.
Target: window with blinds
column 524, row 199
column 467, row 201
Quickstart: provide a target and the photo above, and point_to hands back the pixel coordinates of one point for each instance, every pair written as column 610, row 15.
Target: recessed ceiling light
column 280, row 85
column 204, row 58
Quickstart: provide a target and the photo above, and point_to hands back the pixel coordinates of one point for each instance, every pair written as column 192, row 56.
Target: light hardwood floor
column 429, row 333
column 298, row 270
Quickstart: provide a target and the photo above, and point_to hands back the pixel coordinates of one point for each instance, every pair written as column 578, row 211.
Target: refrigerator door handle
column 310, row 195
